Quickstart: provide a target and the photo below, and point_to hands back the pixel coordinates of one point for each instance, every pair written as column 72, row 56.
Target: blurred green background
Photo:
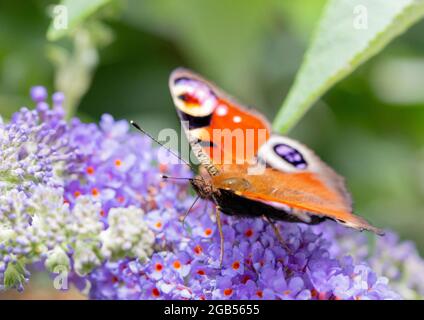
column 369, row 127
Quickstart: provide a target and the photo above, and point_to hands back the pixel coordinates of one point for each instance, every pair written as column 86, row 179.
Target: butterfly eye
column 290, row 155
column 285, row 154
column 193, row 97
column 189, row 99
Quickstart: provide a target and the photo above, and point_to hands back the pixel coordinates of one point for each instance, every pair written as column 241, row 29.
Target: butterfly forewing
column 228, row 132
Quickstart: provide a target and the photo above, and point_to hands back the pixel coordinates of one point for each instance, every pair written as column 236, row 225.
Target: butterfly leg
column 188, row 211
column 277, row 233
column 221, row 235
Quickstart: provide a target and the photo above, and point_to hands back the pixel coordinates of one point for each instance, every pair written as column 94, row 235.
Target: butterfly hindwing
column 296, row 181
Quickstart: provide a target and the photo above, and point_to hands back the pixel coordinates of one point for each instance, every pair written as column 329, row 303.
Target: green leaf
column 69, row 14
column 349, row 33
column 221, row 39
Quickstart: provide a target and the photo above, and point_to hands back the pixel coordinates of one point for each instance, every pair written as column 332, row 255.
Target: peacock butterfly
column 294, row 184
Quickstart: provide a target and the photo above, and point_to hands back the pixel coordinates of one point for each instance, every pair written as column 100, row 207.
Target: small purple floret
column 38, row 94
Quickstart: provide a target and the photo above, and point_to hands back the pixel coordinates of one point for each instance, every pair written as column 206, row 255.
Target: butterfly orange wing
column 304, row 194
column 228, row 132
column 294, row 178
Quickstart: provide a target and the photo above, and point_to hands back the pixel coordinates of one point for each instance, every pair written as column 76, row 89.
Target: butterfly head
column 203, row 187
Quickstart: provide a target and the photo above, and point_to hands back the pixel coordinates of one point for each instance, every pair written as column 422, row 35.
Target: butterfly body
column 231, row 203
column 232, row 143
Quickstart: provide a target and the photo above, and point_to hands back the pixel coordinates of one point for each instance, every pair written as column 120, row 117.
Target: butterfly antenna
column 176, row 178
column 135, row 125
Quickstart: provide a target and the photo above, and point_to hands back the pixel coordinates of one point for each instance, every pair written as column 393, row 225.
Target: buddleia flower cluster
column 39, row 154
column 90, row 198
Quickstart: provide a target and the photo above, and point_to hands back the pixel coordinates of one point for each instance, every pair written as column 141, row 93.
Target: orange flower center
column 158, row 267
column 77, row 194
column 118, row 162
column 89, row 170
column 208, row 231
column 248, row 233
column 158, row 224
column 155, row 292
column 228, row 292
column 198, row 249
column 245, row 279
column 177, row 264
column 236, row 265
column 259, row 293
column 201, row 272
column 94, row 192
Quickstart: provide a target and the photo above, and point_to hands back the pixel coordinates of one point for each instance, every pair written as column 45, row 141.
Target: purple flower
column 186, row 262
column 398, row 261
column 38, row 94
column 259, row 270
column 41, row 154
column 91, row 198
column 34, row 153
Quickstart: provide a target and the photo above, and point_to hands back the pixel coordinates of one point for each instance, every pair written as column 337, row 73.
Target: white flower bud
column 127, row 236
column 57, row 257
